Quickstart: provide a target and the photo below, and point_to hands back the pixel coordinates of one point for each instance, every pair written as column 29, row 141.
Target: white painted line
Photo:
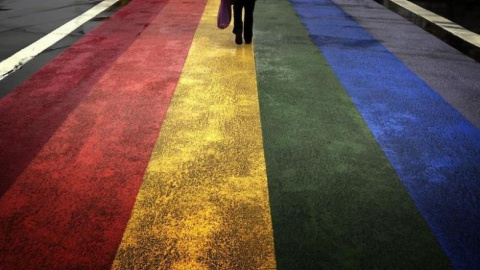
column 16, row 61
column 447, row 25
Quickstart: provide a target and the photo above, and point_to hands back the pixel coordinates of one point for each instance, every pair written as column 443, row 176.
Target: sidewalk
column 334, row 141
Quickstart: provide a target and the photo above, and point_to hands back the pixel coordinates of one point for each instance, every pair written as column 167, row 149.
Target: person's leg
column 248, row 25
column 237, row 21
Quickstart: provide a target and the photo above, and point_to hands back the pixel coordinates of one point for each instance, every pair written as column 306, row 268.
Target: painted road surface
column 23, row 22
column 155, row 142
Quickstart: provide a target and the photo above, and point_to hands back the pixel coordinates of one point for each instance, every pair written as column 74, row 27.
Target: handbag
column 224, row 14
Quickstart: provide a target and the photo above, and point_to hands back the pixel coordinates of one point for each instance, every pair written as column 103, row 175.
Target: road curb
column 455, row 35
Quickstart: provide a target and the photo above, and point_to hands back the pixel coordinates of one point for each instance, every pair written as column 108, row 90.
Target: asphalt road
column 23, row 22
column 343, row 137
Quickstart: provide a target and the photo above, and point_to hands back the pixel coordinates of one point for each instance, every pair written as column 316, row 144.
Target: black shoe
column 238, row 39
column 248, row 40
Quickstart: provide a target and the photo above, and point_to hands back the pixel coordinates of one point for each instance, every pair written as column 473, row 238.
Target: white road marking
column 16, row 61
column 447, row 25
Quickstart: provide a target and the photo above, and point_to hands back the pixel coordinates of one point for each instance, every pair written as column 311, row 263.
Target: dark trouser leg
column 248, row 31
column 237, row 18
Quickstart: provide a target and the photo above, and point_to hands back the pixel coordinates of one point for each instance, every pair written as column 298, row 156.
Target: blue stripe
column 433, row 148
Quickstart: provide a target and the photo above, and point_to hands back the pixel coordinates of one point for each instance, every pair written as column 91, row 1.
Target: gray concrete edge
column 459, row 43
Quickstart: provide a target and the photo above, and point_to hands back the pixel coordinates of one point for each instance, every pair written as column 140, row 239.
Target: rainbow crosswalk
column 204, row 195
column 155, row 142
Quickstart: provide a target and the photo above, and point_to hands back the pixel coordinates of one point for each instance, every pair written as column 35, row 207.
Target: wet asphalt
column 23, row 22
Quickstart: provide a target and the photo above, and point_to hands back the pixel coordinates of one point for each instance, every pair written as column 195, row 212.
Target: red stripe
column 33, row 111
column 69, row 208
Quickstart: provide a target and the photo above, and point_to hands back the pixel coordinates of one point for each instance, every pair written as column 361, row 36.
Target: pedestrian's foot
column 248, row 40
column 238, row 39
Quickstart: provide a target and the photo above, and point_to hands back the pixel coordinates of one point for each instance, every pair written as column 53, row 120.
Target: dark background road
column 23, row 22
column 463, row 12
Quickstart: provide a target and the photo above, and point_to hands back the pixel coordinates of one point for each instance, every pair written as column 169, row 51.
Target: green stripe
column 336, row 201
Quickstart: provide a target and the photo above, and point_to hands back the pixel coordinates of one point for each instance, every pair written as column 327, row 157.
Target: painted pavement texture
column 155, row 142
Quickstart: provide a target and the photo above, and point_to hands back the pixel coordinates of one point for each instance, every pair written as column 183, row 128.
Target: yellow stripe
column 203, row 203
